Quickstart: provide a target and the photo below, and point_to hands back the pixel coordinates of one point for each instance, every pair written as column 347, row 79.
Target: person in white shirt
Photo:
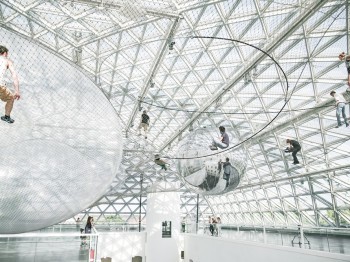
column 340, row 104
column 5, row 94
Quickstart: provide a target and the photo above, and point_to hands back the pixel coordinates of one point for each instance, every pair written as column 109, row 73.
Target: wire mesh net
column 63, row 150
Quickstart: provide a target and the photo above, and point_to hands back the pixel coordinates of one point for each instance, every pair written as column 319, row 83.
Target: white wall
column 121, row 247
column 163, row 206
column 208, row 249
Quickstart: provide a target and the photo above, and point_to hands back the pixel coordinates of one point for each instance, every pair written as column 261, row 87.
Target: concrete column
column 163, row 205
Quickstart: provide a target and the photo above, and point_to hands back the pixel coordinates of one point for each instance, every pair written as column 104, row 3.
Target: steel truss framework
column 145, row 50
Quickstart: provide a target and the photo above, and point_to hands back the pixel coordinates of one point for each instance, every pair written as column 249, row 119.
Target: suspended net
column 196, row 63
column 64, row 148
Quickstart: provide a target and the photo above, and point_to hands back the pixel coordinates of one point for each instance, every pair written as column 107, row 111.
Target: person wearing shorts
column 5, row 94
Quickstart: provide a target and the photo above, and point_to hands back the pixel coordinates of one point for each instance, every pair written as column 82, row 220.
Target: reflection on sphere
column 63, row 151
column 205, row 175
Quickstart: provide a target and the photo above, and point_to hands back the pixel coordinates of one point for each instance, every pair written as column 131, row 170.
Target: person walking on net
column 344, row 57
column 5, row 94
column 224, row 141
column 144, row 123
column 294, row 147
column 340, row 105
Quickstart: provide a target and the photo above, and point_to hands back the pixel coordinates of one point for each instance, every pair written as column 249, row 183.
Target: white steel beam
column 154, row 70
column 287, row 124
column 287, row 178
column 313, row 8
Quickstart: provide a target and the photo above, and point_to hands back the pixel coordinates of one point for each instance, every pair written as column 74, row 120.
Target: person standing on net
column 144, row 123
column 340, row 105
column 5, row 94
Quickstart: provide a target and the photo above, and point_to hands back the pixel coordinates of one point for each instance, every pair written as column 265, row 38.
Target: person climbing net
column 160, row 162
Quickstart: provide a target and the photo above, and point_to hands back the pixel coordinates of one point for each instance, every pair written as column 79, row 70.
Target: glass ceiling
column 269, row 80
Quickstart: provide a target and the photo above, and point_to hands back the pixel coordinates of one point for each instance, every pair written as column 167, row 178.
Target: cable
column 264, row 127
column 233, row 113
column 285, row 76
column 327, row 152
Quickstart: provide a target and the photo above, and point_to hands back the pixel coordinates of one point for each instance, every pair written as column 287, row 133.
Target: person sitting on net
column 144, row 123
column 223, row 141
column 342, row 56
column 340, row 103
column 160, row 162
column 294, row 147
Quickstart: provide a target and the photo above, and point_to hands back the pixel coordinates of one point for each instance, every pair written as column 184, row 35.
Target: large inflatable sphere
column 65, row 146
column 210, row 172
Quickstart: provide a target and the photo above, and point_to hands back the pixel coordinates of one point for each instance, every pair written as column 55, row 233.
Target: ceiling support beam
column 347, row 10
column 110, row 5
column 154, row 70
column 288, row 178
column 269, row 48
column 323, row 106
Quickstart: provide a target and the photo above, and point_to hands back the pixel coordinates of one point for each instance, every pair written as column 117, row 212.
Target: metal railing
column 99, row 226
column 46, row 245
column 335, row 240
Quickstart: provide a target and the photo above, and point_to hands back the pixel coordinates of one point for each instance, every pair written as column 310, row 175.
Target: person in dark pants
column 89, row 225
column 160, row 162
column 211, row 226
column 293, row 147
column 144, row 123
column 226, row 166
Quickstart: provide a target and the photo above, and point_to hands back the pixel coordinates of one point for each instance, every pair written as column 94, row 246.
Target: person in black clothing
column 89, row 225
column 293, row 147
column 144, row 123
column 211, row 226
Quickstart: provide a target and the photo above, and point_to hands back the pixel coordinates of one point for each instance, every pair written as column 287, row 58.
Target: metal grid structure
column 144, row 54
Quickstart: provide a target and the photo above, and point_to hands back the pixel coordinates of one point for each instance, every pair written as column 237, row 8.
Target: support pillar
column 163, row 223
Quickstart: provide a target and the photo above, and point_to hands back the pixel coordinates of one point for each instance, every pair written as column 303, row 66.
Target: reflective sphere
column 65, row 147
column 210, row 175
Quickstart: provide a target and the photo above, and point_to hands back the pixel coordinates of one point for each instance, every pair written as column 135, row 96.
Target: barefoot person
column 5, row 94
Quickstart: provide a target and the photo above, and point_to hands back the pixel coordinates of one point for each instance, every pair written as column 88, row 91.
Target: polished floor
column 42, row 250
column 72, row 249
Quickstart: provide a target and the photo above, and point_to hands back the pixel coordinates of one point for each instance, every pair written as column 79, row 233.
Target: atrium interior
column 163, row 187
